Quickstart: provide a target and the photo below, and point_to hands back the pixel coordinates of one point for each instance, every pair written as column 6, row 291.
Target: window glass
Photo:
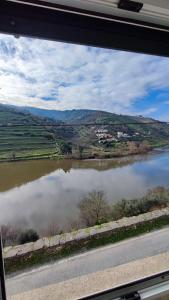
column 84, row 156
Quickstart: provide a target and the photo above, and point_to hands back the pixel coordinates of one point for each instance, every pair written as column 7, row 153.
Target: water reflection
column 35, row 193
column 18, row 173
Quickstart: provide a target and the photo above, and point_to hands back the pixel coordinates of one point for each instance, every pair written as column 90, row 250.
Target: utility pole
column 2, row 273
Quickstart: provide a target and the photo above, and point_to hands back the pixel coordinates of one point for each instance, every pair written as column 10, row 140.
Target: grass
column 29, row 154
column 47, row 255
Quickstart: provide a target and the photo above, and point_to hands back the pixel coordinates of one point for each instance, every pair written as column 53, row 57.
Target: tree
column 158, row 195
column 14, row 235
column 94, row 209
column 118, row 209
column 65, row 148
column 27, row 236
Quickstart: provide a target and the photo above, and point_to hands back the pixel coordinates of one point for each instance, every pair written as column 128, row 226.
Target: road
column 89, row 262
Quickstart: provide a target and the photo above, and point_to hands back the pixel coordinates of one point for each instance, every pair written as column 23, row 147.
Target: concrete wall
column 82, row 236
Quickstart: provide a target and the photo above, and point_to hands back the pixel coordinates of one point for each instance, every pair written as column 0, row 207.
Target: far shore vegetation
column 94, row 209
column 66, row 150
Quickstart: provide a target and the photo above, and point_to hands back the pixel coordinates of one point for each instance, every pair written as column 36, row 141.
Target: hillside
column 31, row 139
column 110, row 121
column 27, row 133
column 80, row 115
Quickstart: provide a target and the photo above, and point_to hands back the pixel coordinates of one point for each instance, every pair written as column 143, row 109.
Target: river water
column 35, row 193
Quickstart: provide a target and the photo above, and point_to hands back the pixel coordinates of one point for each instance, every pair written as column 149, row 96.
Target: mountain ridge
column 78, row 115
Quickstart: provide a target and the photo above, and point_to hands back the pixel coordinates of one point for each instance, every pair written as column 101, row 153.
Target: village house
column 121, row 134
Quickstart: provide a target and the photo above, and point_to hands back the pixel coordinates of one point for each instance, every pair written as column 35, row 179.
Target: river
column 35, row 193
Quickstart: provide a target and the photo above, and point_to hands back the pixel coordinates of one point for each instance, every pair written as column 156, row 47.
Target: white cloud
column 73, row 76
column 147, row 112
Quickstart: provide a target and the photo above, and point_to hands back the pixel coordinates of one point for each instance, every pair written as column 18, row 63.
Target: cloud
column 62, row 76
column 147, row 112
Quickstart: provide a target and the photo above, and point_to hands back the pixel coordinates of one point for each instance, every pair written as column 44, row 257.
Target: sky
column 53, row 75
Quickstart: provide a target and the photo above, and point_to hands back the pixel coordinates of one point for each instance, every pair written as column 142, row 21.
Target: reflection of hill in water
column 18, row 173
column 14, row 174
column 108, row 164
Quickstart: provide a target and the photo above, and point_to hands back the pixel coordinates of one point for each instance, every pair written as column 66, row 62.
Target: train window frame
column 49, row 21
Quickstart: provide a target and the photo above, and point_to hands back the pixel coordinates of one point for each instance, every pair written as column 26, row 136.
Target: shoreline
column 89, row 157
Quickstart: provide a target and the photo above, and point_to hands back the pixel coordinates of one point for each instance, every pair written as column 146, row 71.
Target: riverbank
column 86, row 155
column 119, row 150
column 53, row 248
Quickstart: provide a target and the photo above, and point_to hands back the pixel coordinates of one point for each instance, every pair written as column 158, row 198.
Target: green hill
column 128, row 124
column 25, row 136
column 36, row 133
column 137, row 127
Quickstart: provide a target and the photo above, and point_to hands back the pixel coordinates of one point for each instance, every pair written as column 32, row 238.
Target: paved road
column 100, row 259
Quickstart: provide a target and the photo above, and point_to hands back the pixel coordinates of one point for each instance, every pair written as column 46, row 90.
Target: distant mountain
column 42, row 132
column 125, row 123
column 13, row 115
column 69, row 116
column 82, row 116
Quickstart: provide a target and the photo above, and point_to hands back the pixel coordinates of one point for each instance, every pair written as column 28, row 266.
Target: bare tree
column 94, row 209
column 52, row 229
column 4, row 233
column 13, row 235
column 9, row 234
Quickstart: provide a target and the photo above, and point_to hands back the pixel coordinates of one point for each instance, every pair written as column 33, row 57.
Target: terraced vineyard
column 21, row 143
column 23, row 136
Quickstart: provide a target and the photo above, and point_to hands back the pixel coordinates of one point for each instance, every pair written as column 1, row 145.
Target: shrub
column 155, row 198
column 65, row 148
column 27, row 236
